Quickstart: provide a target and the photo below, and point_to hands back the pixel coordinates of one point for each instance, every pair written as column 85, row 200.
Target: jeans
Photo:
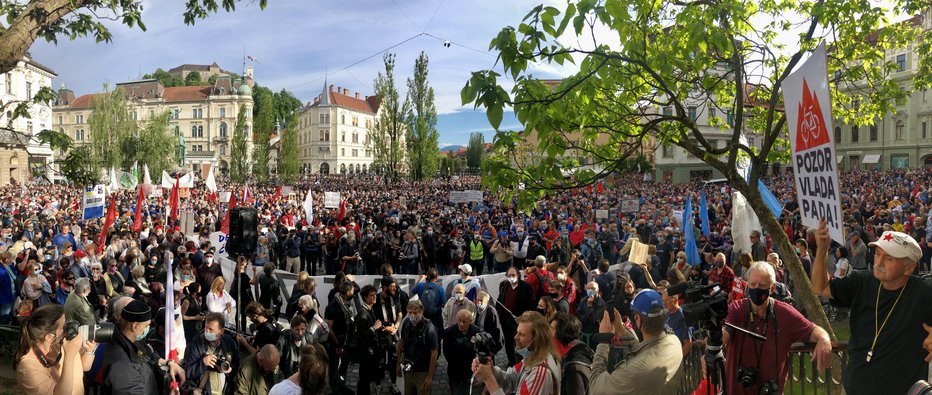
column 501, row 267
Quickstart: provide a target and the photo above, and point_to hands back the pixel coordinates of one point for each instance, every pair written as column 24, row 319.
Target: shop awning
column 871, row 159
column 840, row 158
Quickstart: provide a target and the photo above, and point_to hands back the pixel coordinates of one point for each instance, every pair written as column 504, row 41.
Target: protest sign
column 466, row 196
column 809, row 118
column 638, row 252
column 94, row 200
column 630, row 205
column 331, row 199
column 601, row 214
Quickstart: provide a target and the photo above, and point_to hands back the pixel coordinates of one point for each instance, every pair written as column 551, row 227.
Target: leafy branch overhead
column 661, row 66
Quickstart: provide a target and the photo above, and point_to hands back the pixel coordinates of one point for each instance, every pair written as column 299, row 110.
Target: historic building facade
column 204, row 116
column 19, row 150
column 333, row 132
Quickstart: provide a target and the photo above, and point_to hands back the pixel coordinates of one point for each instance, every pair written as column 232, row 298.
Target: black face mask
column 758, row 296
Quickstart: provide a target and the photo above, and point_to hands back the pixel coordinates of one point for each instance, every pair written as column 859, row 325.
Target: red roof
column 186, row 93
column 85, row 101
column 370, row 105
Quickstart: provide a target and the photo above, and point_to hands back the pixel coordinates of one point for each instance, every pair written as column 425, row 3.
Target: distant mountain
column 452, row 148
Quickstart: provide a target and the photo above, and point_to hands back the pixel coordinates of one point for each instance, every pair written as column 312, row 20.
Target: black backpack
column 430, row 298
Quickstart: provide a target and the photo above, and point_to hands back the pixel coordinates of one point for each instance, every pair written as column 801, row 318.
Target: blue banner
column 94, row 200
column 775, row 207
column 704, row 215
column 692, row 251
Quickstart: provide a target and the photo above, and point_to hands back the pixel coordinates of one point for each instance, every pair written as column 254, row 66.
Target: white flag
column 186, row 181
column 167, row 180
column 145, row 178
column 309, row 206
column 114, row 184
column 211, row 181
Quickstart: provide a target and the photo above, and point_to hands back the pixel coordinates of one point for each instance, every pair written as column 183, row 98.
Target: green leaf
column 495, row 113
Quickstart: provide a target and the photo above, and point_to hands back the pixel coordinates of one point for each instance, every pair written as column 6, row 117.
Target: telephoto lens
column 100, row 333
column 920, row 388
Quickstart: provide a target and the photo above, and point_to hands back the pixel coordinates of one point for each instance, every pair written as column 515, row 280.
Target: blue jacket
column 7, row 292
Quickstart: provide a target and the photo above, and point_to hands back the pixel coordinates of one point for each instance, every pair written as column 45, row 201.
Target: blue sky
column 298, row 42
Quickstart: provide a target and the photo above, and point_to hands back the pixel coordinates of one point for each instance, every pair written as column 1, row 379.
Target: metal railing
column 803, row 376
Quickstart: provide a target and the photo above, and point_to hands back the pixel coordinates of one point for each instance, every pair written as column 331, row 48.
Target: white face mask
column 513, row 280
column 460, row 297
column 561, row 277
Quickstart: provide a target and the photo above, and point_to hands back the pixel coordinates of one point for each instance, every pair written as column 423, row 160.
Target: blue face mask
column 590, row 292
column 211, row 337
column 144, row 334
column 524, row 352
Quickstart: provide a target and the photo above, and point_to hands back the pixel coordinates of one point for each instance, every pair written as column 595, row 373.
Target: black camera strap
column 758, row 349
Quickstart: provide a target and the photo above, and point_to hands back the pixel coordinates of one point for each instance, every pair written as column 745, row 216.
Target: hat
column 899, row 245
column 648, row 303
column 387, row 280
column 136, row 311
column 466, row 268
column 80, row 254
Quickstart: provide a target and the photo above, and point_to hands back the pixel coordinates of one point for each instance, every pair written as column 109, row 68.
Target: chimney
column 339, row 89
column 357, row 95
column 331, row 87
column 346, row 92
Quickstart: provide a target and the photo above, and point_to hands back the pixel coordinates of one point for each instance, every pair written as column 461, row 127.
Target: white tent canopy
column 873, row 158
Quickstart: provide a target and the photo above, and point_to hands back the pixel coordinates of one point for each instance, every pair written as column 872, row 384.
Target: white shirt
column 842, row 263
column 218, row 304
column 286, row 387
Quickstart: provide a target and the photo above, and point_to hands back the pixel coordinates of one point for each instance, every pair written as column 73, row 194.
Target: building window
column 223, row 149
column 342, row 151
column 135, row 116
column 343, row 119
column 79, row 134
column 873, row 131
column 355, row 153
column 691, row 112
column 176, row 113
column 901, row 62
column 9, row 83
column 223, row 112
column 355, row 121
column 223, row 130
column 79, row 119
column 343, row 137
column 60, row 120
column 856, row 104
column 838, row 134
column 731, row 118
column 197, row 131
column 667, row 151
column 197, row 113
column 151, row 114
column 711, row 113
column 29, row 128
column 924, row 130
column 28, row 90
column 667, row 111
column 899, row 130
column 854, row 134
column 899, row 161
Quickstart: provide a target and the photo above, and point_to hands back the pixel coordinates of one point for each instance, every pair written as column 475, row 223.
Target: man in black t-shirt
column 340, row 315
column 417, row 350
column 889, row 314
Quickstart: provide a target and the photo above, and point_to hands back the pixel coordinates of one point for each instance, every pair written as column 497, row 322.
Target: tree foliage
column 50, row 19
column 721, row 54
column 475, row 151
column 155, row 144
column 165, row 78
column 193, row 79
column 112, row 129
column 423, row 138
column 263, row 112
column 288, row 164
column 388, row 130
column 239, row 166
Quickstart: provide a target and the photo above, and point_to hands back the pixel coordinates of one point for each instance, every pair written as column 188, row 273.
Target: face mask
column 481, row 306
column 523, row 352
column 561, row 277
column 153, row 262
column 680, row 260
column 460, row 297
column 48, row 257
column 520, row 234
column 414, row 319
column 797, row 250
column 143, row 335
column 513, row 280
column 211, row 337
column 758, row 296
column 676, row 239
column 185, row 277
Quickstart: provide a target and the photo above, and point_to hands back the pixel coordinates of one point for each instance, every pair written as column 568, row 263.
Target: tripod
column 714, row 358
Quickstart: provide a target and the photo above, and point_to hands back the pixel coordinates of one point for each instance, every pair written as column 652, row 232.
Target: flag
column 704, row 215
column 692, row 251
column 601, row 187
column 309, row 206
column 915, row 190
column 247, row 198
column 225, row 225
column 252, row 59
column 108, row 222
column 136, row 171
column 22, row 188
column 137, row 220
column 114, row 184
column 589, row 189
column 775, row 207
column 173, row 201
column 743, row 164
column 170, row 351
column 342, row 211
column 211, row 181
column 278, row 194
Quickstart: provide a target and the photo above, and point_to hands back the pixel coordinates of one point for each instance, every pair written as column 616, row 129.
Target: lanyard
column 877, row 330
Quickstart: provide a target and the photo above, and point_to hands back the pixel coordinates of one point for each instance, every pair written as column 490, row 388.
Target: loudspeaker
column 244, row 233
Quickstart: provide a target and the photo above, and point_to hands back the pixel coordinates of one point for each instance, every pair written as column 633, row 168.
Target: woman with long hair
column 538, row 373
column 46, row 363
column 192, row 312
column 219, row 300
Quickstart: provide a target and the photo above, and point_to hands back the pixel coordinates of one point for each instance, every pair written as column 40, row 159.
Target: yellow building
column 333, row 132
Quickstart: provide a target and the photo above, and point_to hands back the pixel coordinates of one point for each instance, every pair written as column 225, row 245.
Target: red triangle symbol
column 811, row 130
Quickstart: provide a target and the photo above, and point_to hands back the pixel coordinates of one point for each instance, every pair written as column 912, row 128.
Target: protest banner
column 94, row 200
column 331, row 199
column 630, row 205
column 466, row 196
column 638, row 252
column 809, row 118
column 601, row 214
column 218, row 240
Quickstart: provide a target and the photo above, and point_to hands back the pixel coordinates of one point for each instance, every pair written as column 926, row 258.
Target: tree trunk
column 803, row 287
column 19, row 36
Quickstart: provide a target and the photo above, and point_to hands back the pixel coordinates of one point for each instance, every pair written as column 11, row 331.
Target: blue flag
column 775, row 207
column 692, row 251
column 704, row 215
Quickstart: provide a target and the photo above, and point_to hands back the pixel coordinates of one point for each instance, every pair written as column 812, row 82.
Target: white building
column 333, row 132
column 18, row 85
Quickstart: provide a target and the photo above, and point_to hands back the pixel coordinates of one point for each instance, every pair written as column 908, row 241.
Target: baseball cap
column 648, row 303
column 466, row 268
column 899, row 245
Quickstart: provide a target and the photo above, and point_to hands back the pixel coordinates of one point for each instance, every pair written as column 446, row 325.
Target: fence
column 803, row 377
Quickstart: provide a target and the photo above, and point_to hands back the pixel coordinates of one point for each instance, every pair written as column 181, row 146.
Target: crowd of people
column 573, row 314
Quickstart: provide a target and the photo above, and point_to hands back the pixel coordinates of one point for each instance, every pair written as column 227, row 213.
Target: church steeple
column 325, row 95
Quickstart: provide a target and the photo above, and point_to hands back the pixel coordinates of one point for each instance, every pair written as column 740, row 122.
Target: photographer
column 266, row 329
column 886, row 349
column 130, row 365
column 417, row 350
column 46, row 363
column 340, row 314
column 459, row 352
column 651, row 366
column 212, row 359
column 537, row 374
column 363, row 347
column 388, row 309
column 751, row 364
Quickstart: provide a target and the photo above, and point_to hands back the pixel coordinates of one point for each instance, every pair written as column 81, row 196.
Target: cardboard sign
column 466, row 196
column 601, row 214
column 331, row 199
column 638, row 252
column 630, row 205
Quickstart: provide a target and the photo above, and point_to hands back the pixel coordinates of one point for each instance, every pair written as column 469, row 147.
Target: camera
column 223, row 364
column 747, row 377
column 100, row 333
column 920, row 388
column 483, row 344
column 406, row 367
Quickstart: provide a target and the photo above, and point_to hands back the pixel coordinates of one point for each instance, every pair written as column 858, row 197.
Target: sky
column 299, row 43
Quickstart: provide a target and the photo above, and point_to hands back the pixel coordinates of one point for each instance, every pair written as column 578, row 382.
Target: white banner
column 331, row 199
column 809, row 118
column 186, row 181
column 465, row 196
column 601, row 214
column 630, row 205
column 218, row 240
column 94, row 200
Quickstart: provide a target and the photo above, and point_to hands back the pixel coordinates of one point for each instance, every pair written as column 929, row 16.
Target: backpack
column 541, row 282
column 430, row 298
column 578, row 368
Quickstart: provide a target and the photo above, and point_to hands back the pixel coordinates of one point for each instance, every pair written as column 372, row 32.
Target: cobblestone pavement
column 440, row 382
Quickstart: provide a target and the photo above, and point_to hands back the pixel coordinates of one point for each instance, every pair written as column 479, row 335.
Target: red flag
column 342, row 211
column 225, row 225
column 915, row 190
column 600, row 186
column 108, row 222
column 589, row 189
column 174, row 201
column 278, row 193
column 137, row 220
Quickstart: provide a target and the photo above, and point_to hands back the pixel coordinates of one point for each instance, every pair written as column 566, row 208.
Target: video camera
column 706, row 310
column 100, row 333
column 483, row 344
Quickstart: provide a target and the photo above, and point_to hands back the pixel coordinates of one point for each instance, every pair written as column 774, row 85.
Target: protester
column 459, row 352
column 417, row 351
column 47, row 363
column 130, row 365
column 311, row 377
column 537, row 374
column 457, row 303
column 259, row 372
column 515, row 296
column 575, row 355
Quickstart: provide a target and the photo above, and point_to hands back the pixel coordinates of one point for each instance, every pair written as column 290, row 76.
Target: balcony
column 221, row 139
